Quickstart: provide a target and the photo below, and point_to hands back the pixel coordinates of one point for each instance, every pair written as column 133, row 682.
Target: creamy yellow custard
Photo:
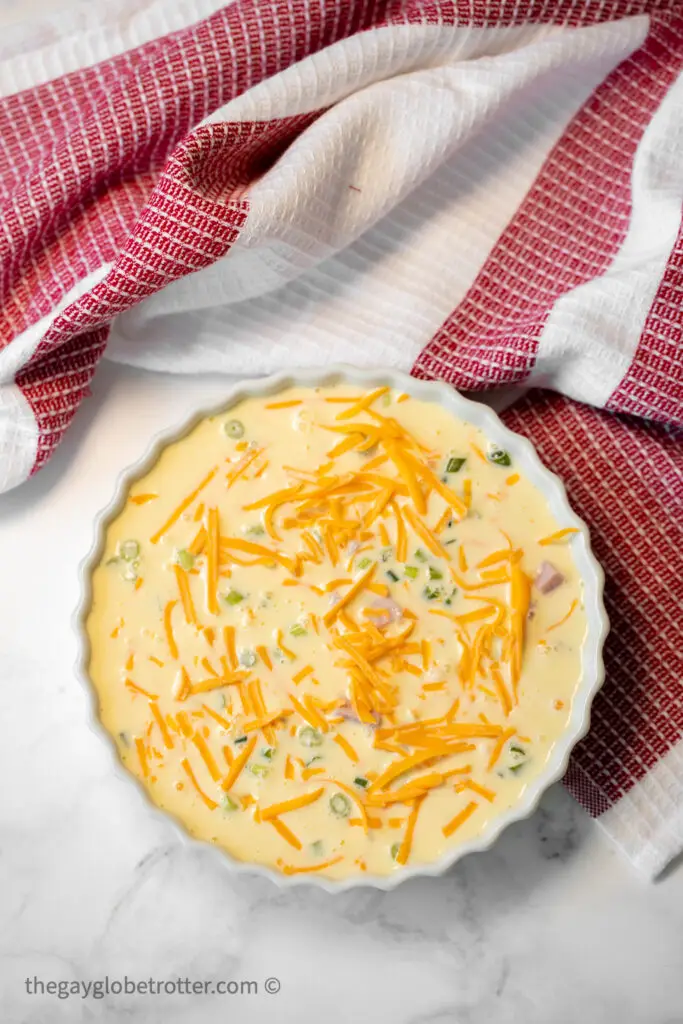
column 335, row 631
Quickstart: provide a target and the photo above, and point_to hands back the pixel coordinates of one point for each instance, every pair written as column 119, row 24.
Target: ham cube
column 548, row 578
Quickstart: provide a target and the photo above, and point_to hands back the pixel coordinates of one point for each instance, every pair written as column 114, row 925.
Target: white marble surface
column 550, row 927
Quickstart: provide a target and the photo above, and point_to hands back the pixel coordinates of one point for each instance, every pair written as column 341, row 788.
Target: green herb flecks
column 234, row 429
column 129, row 550
column 310, row 737
column 184, row 559
column 500, row 457
column 340, row 805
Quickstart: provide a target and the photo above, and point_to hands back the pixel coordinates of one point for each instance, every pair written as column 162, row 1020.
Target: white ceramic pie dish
column 528, row 461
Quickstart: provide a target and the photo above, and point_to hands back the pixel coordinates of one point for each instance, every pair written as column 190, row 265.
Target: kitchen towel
column 488, row 192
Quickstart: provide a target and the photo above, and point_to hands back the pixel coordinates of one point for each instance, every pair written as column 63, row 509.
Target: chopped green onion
column 241, row 739
column 130, row 571
column 340, row 805
column 259, row 769
column 297, row 630
column 386, row 398
column 123, row 736
column 431, row 593
column 394, row 850
column 420, row 555
column 317, row 846
column 453, row 540
column 518, row 750
column 184, row 559
column 435, row 574
column 362, row 782
column 112, row 561
column 256, row 530
column 392, row 575
column 453, row 465
column 411, row 571
column 246, row 658
column 233, row 597
column 234, row 429
column 268, row 752
column 310, row 737
column 313, row 759
column 516, row 767
column 386, row 554
column 500, row 457
column 129, row 549
column 364, row 563
column 227, row 803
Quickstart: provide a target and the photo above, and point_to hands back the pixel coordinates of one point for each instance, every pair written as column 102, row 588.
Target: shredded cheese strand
column 155, row 538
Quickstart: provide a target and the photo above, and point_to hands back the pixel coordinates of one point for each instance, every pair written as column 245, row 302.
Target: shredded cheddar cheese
column 339, row 638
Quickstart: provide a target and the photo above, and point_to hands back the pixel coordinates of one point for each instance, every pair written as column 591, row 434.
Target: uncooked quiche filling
column 336, row 631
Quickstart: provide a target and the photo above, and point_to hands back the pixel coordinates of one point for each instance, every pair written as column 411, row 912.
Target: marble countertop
column 549, row 927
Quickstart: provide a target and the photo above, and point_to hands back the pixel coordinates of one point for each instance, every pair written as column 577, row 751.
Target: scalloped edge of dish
column 479, row 415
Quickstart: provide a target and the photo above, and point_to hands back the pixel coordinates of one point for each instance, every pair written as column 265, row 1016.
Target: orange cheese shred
column 242, row 466
column 238, row 764
column 404, row 848
column 155, row 538
column 138, row 689
column 559, row 535
column 170, row 640
column 286, row 833
column 206, row 755
column 163, row 728
column 483, row 791
column 560, row 622
column 185, row 595
column 216, row 717
column 362, row 403
column 211, row 804
column 346, row 747
column 423, row 531
column 264, row 656
column 142, row 755
column 285, row 806
column 229, row 644
column 352, row 592
column 212, row 555
column 292, row 869
column 459, row 819
column 498, row 747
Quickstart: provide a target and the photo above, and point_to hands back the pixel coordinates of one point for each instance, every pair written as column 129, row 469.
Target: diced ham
column 394, row 612
column 347, row 711
column 548, row 578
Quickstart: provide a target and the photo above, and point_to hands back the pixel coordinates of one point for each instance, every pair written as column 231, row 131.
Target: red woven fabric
column 106, row 166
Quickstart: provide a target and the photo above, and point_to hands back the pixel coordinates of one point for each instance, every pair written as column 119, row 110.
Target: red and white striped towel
column 487, row 191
